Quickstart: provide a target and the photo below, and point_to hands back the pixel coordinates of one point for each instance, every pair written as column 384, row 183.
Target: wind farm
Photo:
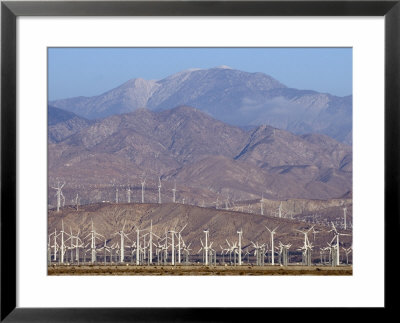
column 205, row 172
column 181, row 239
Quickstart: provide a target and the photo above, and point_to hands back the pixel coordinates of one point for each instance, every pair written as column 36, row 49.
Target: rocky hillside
column 63, row 124
column 207, row 159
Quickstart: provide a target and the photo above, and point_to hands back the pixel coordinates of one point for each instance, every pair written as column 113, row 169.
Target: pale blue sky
column 92, row 71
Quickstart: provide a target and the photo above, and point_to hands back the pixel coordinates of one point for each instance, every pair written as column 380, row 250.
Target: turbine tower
column 159, row 190
column 173, row 193
column 122, row 246
column 179, row 243
column 262, row 204
column 272, row 244
column 205, row 246
column 240, row 246
column 93, row 236
column 143, row 182
column 344, row 215
column 173, row 232
column 337, row 234
column 63, row 247
column 128, row 193
column 77, row 201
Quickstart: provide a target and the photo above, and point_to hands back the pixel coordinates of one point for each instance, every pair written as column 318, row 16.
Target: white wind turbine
column 174, row 192
column 55, row 245
column 143, row 182
column 347, row 251
column 63, row 247
column 307, row 247
column 272, row 232
column 232, row 249
column 281, row 212
column 284, row 252
column 205, row 246
column 173, row 232
column 138, row 245
column 128, row 194
column 122, row 246
column 78, row 245
column 151, row 242
column 77, row 201
column 159, row 190
column 344, row 217
column 258, row 253
column 93, row 236
column 240, row 246
column 262, row 204
column 106, row 249
column 216, row 204
column 186, row 250
column 337, row 234
column 59, row 194
column 179, row 243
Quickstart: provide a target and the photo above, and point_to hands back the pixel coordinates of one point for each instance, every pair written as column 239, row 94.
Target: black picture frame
column 10, row 10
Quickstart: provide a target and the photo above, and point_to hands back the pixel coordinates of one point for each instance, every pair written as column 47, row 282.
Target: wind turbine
column 63, row 247
column 173, row 192
column 284, row 252
column 159, row 190
column 59, row 194
column 272, row 244
column 55, row 244
column 240, row 246
column 347, row 251
column 205, row 246
column 93, row 236
column 77, row 246
column 186, row 250
column 307, row 247
column 344, row 217
column 173, row 232
column 128, row 193
column 138, row 245
column 179, row 243
column 77, row 201
column 122, row 246
column 258, row 253
column 143, row 182
column 262, row 204
column 106, row 249
column 337, row 234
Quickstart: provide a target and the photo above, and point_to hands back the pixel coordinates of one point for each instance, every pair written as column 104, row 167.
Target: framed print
column 117, row 158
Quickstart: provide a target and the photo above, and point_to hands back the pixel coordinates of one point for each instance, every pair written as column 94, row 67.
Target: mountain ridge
column 235, row 97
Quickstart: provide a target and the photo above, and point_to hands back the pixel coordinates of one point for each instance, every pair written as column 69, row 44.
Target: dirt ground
column 196, row 270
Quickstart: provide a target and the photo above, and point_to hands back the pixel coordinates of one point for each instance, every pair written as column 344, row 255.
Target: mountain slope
column 203, row 156
column 63, row 124
column 232, row 96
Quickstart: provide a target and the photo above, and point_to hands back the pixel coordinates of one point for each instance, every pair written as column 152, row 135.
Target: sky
column 91, row 71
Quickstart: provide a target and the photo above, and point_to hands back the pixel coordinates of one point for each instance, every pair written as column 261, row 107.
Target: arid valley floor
column 200, row 270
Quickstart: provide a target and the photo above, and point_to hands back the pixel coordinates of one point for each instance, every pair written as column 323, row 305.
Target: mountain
column 63, row 124
column 205, row 157
column 231, row 96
